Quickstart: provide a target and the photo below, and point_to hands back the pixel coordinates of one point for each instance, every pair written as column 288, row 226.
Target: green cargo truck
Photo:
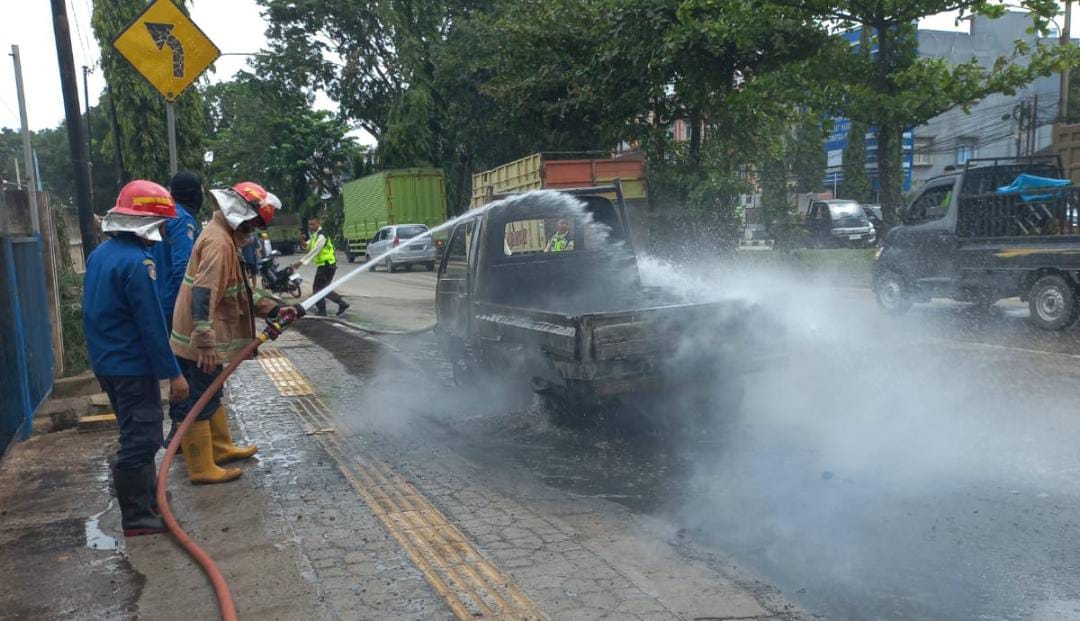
column 284, row 232
column 404, row 196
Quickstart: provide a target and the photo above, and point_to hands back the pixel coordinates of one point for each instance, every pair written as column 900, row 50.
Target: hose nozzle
column 277, row 325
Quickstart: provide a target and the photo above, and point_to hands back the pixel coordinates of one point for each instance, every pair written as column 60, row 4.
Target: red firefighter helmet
column 264, row 203
column 145, row 198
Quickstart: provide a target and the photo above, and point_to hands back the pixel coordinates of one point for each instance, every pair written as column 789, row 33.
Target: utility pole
column 1033, row 127
column 118, row 155
column 76, row 143
column 28, row 151
column 89, row 127
column 1018, row 113
column 1063, row 101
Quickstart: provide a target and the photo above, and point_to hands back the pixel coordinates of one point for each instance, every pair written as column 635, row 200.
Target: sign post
column 170, row 119
column 170, row 51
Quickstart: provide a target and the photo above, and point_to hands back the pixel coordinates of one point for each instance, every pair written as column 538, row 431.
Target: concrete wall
column 981, row 126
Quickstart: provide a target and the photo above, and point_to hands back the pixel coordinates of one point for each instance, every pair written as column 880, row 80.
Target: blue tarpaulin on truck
column 1032, row 182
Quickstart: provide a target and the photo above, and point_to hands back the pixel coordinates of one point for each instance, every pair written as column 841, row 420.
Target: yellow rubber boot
column 199, row 455
column 224, row 449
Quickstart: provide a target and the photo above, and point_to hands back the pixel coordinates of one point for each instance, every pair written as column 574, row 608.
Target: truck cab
column 503, row 257
column 572, row 319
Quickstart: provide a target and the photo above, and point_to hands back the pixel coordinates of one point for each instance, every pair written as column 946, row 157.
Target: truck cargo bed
column 730, row 330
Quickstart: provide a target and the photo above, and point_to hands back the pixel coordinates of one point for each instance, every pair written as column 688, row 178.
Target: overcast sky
column 233, row 25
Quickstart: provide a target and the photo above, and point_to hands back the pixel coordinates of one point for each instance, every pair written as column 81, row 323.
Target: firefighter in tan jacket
column 214, row 318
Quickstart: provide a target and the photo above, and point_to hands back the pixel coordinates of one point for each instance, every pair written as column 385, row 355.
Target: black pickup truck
column 963, row 238
column 573, row 318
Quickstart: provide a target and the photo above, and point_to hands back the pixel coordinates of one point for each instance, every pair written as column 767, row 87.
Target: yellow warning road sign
column 167, row 48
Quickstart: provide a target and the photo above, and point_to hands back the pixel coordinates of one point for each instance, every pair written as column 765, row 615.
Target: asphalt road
column 398, row 301
column 920, row 467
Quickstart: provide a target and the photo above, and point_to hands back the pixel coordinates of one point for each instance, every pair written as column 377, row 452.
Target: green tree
column 300, row 154
column 591, row 73
column 893, row 89
column 409, row 75
column 775, row 194
column 54, row 161
column 369, row 77
column 856, row 184
column 141, row 132
column 807, row 154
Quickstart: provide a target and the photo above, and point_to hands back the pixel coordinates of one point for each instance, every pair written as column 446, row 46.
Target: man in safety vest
column 321, row 250
column 266, row 249
column 129, row 344
column 560, row 241
column 215, row 318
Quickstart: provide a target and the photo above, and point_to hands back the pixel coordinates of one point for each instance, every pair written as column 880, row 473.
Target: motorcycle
column 274, row 280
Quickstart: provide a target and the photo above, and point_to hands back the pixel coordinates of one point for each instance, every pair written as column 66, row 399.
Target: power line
column 8, row 107
column 82, row 39
column 975, row 130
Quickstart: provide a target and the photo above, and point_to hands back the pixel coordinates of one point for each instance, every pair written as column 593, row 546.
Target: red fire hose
column 221, row 588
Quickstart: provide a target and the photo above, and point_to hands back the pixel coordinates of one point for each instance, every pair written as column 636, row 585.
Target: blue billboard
column 834, row 150
column 838, row 140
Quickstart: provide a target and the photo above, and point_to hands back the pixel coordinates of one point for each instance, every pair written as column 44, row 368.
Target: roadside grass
column 76, row 357
column 840, row 266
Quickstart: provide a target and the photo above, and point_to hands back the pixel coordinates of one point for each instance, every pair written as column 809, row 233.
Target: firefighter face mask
column 148, row 228
column 236, row 210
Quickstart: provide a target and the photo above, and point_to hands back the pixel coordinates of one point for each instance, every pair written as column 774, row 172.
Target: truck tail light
column 397, row 240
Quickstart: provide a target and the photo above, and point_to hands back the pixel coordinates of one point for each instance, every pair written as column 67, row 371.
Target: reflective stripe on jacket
column 216, row 308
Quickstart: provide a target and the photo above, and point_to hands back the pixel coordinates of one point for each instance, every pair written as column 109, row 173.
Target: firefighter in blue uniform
column 171, row 256
column 129, row 345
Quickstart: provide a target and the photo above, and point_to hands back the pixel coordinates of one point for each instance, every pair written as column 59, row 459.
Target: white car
column 421, row 252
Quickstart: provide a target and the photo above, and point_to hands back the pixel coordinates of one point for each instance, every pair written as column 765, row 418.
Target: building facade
column 996, row 126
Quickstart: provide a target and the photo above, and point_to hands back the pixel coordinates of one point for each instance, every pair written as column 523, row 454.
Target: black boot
column 135, row 493
column 344, row 306
column 172, row 432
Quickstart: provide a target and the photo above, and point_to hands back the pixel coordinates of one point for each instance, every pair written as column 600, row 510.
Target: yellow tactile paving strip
column 289, row 381
column 472, row 586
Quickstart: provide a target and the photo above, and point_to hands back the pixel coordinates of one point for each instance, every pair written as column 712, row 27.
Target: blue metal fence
column 26, row 364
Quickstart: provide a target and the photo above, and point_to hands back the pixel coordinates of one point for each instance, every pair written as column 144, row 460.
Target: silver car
column 420, row 252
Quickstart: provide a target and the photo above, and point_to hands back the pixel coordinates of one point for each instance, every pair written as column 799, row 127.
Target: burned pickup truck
column 544, row 287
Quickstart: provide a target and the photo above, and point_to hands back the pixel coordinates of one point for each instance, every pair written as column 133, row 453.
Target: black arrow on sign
column 162, row 35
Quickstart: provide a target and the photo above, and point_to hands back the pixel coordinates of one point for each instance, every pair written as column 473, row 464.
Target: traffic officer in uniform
column 560, row 241
column 129, row 344
column 215, row 318
column 321, row 250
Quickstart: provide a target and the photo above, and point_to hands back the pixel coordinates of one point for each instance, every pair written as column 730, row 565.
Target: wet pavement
column 921, row 467
column 575, row 556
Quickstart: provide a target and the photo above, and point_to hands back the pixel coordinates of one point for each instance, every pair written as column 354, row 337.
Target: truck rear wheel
column 892, row 293
column 1052, row 302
